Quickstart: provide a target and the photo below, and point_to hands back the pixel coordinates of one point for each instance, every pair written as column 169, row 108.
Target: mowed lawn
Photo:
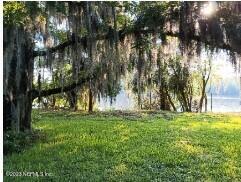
column 131, row 146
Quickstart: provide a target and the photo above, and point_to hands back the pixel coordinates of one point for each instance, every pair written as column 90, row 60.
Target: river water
column 126, row 102
column 224, row 86
column 224, row 104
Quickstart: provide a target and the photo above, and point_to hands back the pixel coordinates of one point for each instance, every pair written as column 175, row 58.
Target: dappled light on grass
column 138, row 146
column 120, row 169
column 122, row 131
column 188, row 147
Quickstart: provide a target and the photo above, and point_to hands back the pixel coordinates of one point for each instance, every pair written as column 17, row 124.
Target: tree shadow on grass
column 18, row 142
column 191, row 149
column 144, row 115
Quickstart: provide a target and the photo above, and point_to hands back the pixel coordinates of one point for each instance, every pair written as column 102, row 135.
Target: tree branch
column 123, row 33
column 82, row 40
column 220, row 45
column 53, row 49
column 48, row 92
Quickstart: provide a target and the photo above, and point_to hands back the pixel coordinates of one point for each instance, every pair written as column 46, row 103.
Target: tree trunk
column 90, row 100
column 162, row 98
column 18, row 76
column 170, row 100
column 184, row 102
column 202, row 94
column 139, row 70
column 206, row 103
column 53, row 101
column 72, row 97
column 150, row 100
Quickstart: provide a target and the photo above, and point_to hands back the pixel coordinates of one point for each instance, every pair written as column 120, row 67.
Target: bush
column 17, row 142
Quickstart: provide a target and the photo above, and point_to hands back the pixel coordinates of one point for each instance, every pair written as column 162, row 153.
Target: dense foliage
column 82, row 50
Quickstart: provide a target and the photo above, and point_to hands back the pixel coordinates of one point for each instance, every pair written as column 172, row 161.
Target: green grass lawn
column 141, row 146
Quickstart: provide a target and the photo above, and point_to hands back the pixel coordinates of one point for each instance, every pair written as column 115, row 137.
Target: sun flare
column 209, row 9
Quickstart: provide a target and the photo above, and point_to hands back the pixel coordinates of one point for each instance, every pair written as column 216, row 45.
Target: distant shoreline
column 220, row 97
